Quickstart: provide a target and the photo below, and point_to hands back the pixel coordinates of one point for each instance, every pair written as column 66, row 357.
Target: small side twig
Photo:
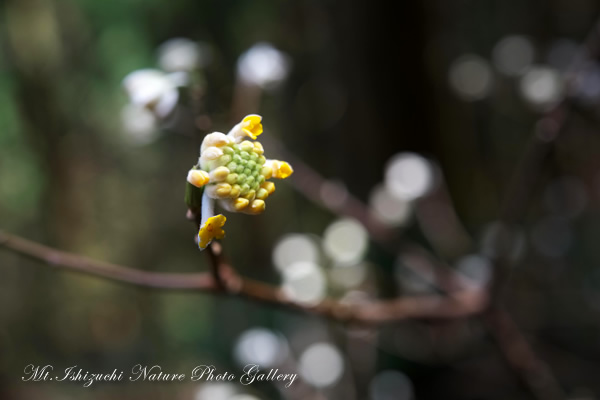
column 224, row 274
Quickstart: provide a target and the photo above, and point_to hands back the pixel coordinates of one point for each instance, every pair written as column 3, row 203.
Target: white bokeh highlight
column 215, row 391
column 387, row 208
column 541, row 86
column 471, row 77
column 321, row 365
column 345, row 241
column 513, row 55
column 295, row 247
column 260, row 346
column 304, row 282
column 348, row 276
column 244, row 397
column 409, row 176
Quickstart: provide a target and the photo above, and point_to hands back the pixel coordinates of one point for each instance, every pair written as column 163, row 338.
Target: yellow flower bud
column 235, row 191
column 217, row 139
column 223, row 190
column 262, row 194
column 257, row 207
column 266, row 171
column 268, row 186
column 198, row 177
column 219, row 174
column 250, row 195
column 240, row 203
column 258, row 148
column 246, row 145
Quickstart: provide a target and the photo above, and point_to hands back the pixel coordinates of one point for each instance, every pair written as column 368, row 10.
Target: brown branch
column 309, row 182
column 461, row 304
column 534, row 373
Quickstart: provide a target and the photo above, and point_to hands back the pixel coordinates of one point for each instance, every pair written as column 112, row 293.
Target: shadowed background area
column 414, row 121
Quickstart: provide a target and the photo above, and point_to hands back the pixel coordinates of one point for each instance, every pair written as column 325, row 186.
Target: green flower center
column 245, row 164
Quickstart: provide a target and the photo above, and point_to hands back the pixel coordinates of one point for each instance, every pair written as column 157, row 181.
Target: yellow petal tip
column 212, row 229
column 251, row 125
column 284, row 170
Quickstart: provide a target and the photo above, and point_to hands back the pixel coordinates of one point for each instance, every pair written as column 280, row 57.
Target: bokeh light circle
column 321, row 365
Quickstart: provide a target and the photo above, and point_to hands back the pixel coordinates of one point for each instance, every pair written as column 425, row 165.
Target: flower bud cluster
column 234, row 171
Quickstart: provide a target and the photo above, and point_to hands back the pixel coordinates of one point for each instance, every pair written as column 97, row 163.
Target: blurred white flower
column 181, row 54
column 154, row 90
column 139, row 124
column 263, row 65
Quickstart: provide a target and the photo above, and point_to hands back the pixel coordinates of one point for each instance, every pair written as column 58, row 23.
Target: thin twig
column 461, row 304
column 533, row 372
column 212, row 254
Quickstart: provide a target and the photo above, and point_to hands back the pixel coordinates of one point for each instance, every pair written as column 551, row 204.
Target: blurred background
column 421, row 113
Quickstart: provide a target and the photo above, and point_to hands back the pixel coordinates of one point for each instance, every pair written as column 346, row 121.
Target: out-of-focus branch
column 310, row 184
column 534, row 373
column 73, row 262
column 439, row 222
column 460, row 304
